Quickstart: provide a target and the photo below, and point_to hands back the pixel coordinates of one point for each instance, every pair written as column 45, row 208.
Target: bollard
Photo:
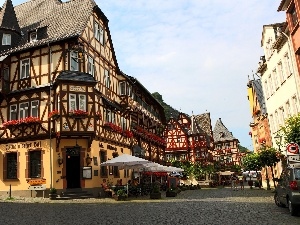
column 10, row 191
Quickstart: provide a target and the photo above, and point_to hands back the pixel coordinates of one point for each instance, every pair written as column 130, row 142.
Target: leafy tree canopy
column 291, row 130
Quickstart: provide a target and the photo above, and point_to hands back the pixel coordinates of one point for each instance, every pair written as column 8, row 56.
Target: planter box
column 171, row 194
column 155, row 195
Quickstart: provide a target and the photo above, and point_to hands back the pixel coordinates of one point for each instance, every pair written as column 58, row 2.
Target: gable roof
column 8, row 18
column 204, row 122
column 59, row 20
column 221, row 133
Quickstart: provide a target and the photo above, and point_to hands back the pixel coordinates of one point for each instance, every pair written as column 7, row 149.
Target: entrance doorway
column 73, row 167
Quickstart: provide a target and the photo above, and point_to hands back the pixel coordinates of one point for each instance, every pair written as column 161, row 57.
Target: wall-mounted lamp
column 88, row 159
column 59, row 160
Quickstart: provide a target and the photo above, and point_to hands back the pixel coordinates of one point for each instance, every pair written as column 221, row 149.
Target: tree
column 252, row 162
column 269, row 157
column 291, row 129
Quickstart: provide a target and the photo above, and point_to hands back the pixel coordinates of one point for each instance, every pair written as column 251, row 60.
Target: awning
column 111, row 104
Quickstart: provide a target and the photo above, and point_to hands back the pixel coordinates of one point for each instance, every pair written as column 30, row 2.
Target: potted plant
column 171, row 192
column 121, row 195
column 54, row 114
column 52, row 193
column 155, row 194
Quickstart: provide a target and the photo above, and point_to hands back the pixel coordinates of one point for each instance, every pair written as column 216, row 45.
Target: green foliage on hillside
column 243, row 149
column 169, row 110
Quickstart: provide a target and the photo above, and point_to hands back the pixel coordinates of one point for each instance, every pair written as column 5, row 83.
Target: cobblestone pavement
column 206, row 206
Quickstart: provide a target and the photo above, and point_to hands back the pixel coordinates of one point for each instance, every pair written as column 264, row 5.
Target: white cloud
column 196, row 53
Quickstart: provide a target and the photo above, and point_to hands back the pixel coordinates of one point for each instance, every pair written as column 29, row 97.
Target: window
column 99, row 33
column 13, row 112
column 267, row 90
column 6, row 39
column 219, row 147
column 287, row 65
column 123, row 123
column 275, row 78
column 288, row 108
column 35, row 108
column 35, row 164
column 6, row 79
column 72, row 102
column 169, row 157
column 122, row 88
column 103, row 169
column 277, row 121
column 271, row 85
column 272, row 123
column 295, row 104
column 294, row 16
column 106, row 78
column 23, row 110
column 282, row 116
column 178, row 139
column 82, row 102
column 25, row 69
column 280, row 72
column 227, row 145
column 12, row 165
column 91, row 66
column 74, row 62
column 109, row 115
column 32, row 36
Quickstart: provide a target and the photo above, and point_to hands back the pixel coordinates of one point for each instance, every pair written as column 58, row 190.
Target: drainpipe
column 50, row 137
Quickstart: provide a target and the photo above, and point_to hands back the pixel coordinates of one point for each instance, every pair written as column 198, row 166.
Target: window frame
column 91, row 65
column 74, row 56
column 36, row 107
column 6, row 39
column 7, row 155
column 23, row 110
column 80, row 103
column 99, row 32
column 24, row 68
column 107, row 81
column 15, row 111
column 35, row 172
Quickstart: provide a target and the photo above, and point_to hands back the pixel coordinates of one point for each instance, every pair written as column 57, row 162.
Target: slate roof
column 75, row 76
column 204, row 122
column 257, row 86
column 221, row 133
column 8, row 18
column 195, row 128
column 58, row 20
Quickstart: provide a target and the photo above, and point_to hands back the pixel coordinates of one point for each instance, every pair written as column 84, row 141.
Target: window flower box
column 113, row 127
column 127, row 133
column 54, row 114
column 78, row 113
column 20, row 122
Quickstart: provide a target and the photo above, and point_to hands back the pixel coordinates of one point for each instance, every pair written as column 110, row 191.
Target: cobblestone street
column 205, row 206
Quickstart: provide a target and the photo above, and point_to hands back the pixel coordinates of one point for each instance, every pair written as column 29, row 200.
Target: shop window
column 103, row 169
column 35, row 164
column 12, row 165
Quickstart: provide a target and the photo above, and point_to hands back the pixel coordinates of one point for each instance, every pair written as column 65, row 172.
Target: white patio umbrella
column 125, row 161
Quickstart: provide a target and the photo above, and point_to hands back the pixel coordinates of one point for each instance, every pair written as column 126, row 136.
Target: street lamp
column 278, row 139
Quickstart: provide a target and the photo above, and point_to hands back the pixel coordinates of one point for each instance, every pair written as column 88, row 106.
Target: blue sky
column 196, row 53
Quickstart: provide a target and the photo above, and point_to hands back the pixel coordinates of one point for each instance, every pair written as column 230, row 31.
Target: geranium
column 53, row 113
column 26, row 120
column 78, row 112
column 148, row 135
column 113, row 127
column 128, row 133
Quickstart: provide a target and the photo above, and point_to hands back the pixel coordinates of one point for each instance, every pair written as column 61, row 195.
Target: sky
column 197, row 54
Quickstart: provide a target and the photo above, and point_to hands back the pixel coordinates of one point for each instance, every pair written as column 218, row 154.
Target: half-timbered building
column 66, row 107
column 187, row 139
column 226, row 152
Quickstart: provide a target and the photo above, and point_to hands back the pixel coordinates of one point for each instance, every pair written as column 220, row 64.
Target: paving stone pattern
column 206, row 206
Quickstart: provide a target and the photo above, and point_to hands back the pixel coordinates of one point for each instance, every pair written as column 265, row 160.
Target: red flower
column 53, row 113
column 114, row 127
column 128, row 133
column 78, row 112
column 27, row 120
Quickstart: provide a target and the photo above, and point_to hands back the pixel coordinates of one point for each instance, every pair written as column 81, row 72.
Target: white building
column 279, row 76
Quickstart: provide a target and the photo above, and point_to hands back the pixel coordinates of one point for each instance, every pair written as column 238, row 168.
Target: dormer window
column 6, row 39
column 33, row 36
